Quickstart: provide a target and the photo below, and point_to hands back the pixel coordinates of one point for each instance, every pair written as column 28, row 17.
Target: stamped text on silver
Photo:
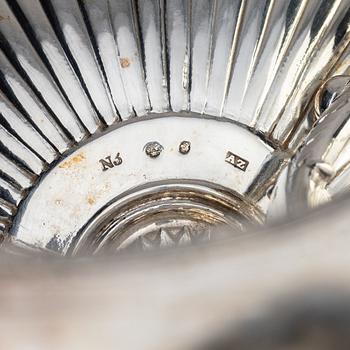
column 109, row 163
column 236, row 161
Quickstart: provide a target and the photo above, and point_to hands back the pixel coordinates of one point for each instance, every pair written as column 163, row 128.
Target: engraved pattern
column 172, row 236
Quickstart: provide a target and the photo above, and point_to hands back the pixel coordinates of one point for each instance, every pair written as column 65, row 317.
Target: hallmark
column 153, row 149
column 185, row 147
column 236, row 161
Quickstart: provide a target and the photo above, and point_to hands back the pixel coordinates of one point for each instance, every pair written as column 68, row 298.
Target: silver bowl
column 134, row 125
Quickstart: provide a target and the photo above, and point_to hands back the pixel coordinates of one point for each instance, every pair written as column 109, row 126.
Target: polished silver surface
column 226, row 83
column 112, row 166
column 279, row 288
column 102, row 99
column 216, row 130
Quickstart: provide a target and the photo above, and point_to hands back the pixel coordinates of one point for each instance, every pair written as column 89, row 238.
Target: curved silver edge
column 319, row 171
column 239, row 281
column 233, row 61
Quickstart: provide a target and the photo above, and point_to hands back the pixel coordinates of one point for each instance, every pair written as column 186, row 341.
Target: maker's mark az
column 236, row 161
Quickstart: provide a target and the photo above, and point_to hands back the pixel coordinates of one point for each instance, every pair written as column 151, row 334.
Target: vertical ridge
column 21, row 95
column 226, row 16
column 98, row 15
column 164, row 54
column 11, row 147
column 40, row 33
column 287, row 42
column 18, row 48
column 176, row 47
column 288, row 115
column 187, row 69
column 259, row 45
column 128, row 55
column 17, row 125
column 210, row 51
column 97, row 55
column 233, row 52
column 71, row 30
column 148, row 33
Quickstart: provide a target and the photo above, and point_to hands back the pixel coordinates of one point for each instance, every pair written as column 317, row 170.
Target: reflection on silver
column 246, row 89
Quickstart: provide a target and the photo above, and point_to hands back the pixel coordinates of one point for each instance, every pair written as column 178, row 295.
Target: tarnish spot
column 56, row 243
column 72, row 161
column 124, row 62
column 91, row 200
column 2, row 18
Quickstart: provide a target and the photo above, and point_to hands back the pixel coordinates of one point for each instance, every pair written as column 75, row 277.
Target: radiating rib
column 20, row 128
column 6, row 209
column 99, row 19
column 342, row 66
column 223, row 36
column 35, row 72
column 155, row 69
column 203, row 19
column 313, row 22
column 317, row 62
column 54, row 54
column 15, row 172
column 126, row 34
column 75, row 35
column 248, row 44
column 9, row 192
column 187, row 71
column 296, row 16
column 265, row 20
column 232, row 60
column 176, row 18
column 4, row 223
column 263, row 59
column 18, row 150
column 24, row 97
column 10, row 196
